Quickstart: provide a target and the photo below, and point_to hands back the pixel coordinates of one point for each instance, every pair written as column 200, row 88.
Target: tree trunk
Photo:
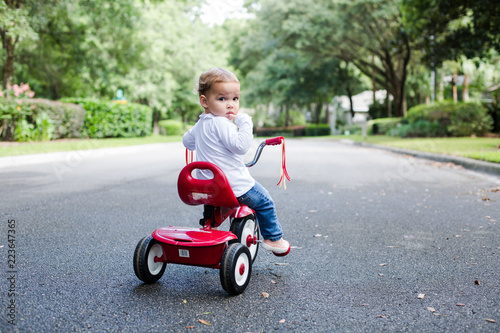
column 156, row 120
column 9, row 44
column 454, row 86
column 349, row 94
column 374, row 82
column 317, row 112
column 466, row 88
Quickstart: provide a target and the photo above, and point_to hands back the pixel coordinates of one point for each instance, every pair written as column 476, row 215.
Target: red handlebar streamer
column 284, row 173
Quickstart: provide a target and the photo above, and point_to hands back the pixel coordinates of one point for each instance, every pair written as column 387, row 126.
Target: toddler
column 219, row 140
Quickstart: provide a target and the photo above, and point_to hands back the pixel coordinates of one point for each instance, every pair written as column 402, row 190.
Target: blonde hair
column 212, row 76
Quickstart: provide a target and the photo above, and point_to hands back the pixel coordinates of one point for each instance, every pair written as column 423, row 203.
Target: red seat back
column 214, row 192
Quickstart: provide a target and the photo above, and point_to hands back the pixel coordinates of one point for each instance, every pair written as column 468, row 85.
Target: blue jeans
column 261, row 202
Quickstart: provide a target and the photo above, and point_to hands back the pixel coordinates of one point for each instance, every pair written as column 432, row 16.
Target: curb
column 468, row 163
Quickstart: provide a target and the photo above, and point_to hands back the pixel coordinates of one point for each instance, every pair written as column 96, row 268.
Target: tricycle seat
column 214, row 192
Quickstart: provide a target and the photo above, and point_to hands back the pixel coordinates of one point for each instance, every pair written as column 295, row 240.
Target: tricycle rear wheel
column 235, row 268
column 145, row 267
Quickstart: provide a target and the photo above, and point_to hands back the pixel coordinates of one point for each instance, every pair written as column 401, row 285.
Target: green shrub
column 382, row 125
column 470, row 119
column 448, row 118
column 352, row 129
column 39, row 119
column 108, row 119
column 171, row 127
column 318, row 130
column 377, row 110
column 41, row 130
column 291, row 131
column 67, row 118
column 420, row 128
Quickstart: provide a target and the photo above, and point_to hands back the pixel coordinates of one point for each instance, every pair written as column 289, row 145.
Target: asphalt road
column 381, row 242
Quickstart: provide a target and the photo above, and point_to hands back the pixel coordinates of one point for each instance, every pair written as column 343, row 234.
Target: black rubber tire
column 233, row 278
column 144, row 267
column 241, row 227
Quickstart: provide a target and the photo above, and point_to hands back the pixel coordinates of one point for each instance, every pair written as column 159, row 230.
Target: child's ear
column 204, row 101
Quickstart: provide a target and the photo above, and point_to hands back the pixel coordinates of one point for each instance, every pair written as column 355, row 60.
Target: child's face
column 223, row 100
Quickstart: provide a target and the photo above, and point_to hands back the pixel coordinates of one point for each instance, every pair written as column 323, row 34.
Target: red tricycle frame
column 233, row 251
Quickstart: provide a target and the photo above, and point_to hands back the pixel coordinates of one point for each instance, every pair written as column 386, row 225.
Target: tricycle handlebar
column 269, row 142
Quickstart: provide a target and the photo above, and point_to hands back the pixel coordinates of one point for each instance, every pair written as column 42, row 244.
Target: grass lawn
column 486, row 149
column 24, row 148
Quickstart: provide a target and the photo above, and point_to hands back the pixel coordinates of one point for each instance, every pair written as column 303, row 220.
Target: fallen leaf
column 477, row 283
column 273, row 282
column 184, row 301
column 317, row 235
column 282, row 264
column 204, row 322
column 204, row 313
column 383, row 264
column 491, row 320
column 381, row 316
column 431, row 309
column 282, row 321
column 421, row 296
column 460, row 304
column 189, row 327
column 266, row 295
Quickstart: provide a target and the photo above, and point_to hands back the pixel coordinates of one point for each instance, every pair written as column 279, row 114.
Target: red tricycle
column 233, row 251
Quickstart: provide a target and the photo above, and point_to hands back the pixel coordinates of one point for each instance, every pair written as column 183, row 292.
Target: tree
column 15, row 27
column 365, row 33
column 277, row 69
column 446, row 30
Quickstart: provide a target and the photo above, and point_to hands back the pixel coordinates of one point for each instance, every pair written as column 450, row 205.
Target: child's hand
column 242, row 118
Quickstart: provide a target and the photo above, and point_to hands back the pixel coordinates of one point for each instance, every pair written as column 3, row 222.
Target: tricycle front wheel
column 247, row 231
column 146, row 267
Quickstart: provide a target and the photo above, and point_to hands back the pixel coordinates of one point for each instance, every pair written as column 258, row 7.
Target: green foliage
column 469, row 119
column 41, row 130
column 382, row 125
column 445, row 30
column 171, row 127
column 318, row 130
column 67, row 118
column 108, row 119
column 295, row 118
column 377, row 110
column 445, row 119
column 26, row 119
column 493, row 107
column 420, row 128
column 292, row 131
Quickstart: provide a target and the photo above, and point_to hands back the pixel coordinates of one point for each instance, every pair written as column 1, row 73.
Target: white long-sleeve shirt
column 222, row 142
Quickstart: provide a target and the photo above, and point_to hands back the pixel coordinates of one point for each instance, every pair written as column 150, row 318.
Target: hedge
column 171, row 127
column 108, row 119
column 294, row 131
column 318, row 130
column 382, row 125
column 39, row 119
column 458, row 119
